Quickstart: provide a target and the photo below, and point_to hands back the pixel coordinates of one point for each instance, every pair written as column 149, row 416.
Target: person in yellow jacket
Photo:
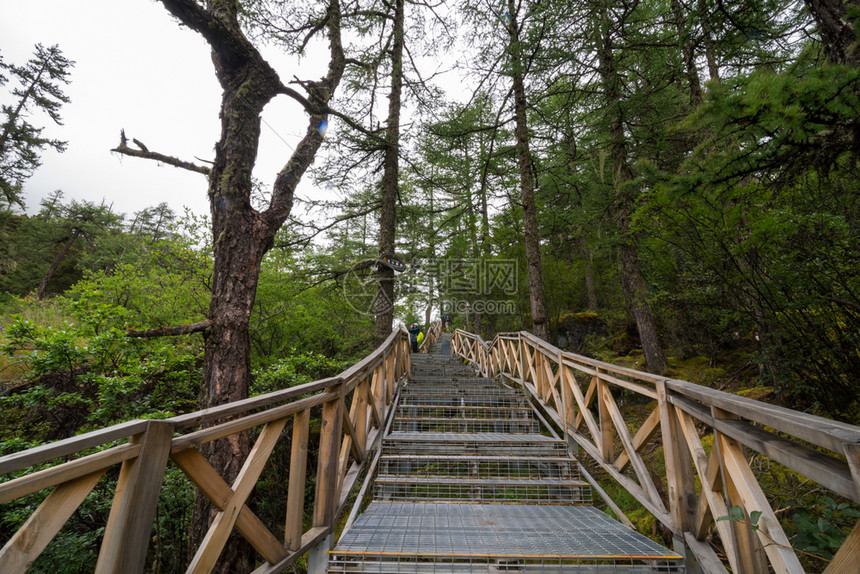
column 414, row 333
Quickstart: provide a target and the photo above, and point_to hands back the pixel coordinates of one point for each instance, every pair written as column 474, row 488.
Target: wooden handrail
column 576, row 392
column 142, row 448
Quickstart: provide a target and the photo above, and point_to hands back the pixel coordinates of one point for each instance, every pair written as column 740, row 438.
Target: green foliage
column 295, row 369
column 822, row 528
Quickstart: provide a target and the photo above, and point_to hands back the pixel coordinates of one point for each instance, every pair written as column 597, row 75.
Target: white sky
column 136, row 68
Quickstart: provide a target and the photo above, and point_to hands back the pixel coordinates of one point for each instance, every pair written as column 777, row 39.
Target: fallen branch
column 171, row 331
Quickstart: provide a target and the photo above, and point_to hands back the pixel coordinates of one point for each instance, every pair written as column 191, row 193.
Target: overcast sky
column 137, row 69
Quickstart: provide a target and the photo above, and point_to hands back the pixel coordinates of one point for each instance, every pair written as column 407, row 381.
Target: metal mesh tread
column 464, row 411
column 513, row 426
column 566, row 536
column 440, row 400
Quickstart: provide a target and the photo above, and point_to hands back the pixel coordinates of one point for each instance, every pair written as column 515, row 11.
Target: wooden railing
column 145, row 447
column 702, row 483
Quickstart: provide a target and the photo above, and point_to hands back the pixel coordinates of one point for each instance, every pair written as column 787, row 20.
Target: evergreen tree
column 39, row 88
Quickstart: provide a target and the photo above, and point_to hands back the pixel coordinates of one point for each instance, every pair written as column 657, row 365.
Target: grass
column 47, row 313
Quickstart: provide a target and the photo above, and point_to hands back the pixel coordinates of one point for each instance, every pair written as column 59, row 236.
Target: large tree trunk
column 685, row 43
column 590, row 289
column 632, row 283
column 241, row 234
column 531, row 233
column 837, row 32
column 384, row 304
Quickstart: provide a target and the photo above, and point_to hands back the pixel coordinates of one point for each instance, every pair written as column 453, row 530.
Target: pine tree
column 39, row 88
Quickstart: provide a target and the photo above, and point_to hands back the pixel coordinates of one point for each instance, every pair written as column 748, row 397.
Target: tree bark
column 632, row 282
column 590, row 290
column 384, row 304
column 837, row 32
column 531, row 232
column 241, row 234
column 685, row 43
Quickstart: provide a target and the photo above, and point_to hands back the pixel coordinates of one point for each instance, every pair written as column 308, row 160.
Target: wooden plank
column 590, row 393
column 715, row 501
column 639, row 467
column 213, row 543
column 362, row 421
column 244, row 406
column 135, row 502
column 584, row 412
column 37, row 455
column 218, row 492
column 625, row 481
column 824, row 469
column 679, row 467
column 642, row 436
column 311, row 538
column 845, row 561
column 197, row 438
column 852, row 455
column 42, row 526
column 782, row 558
column 325, row 499
column 708, row 560
column 604, row 422
column 30, row 483
column 817, row 430
column 296, row 489
column 375, row 414
column 750, row 555
column 574, row 358
column 704, row 517
column 567, row 400
column 635, row 387
column 350, row 432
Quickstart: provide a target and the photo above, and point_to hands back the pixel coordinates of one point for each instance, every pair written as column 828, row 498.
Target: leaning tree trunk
column 531, row 232
column 384, row 304
column 40, row 291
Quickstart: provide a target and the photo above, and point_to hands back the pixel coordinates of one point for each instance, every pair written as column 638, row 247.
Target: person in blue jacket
column 414, row 329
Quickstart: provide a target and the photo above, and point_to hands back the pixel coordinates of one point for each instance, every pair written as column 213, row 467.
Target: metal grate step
column 443, row 425
column 494, row 490
column 464, row 411
column 511, row 467
column 430, row 400
column 473, row 443
column 439, row 537
column 451, row 389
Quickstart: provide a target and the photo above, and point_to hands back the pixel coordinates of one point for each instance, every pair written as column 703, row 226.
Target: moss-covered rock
column 575, row 328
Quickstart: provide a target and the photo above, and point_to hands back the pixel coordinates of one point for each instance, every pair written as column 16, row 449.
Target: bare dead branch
column 144, row 152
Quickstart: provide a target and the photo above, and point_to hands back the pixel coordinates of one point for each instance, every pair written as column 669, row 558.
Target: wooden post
column 604, row 421
column 298, row 472
column 679, row 472
column 568, row 403
column 325, row 500
column 852, row 455
column 750, row 552
column 135, row 501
